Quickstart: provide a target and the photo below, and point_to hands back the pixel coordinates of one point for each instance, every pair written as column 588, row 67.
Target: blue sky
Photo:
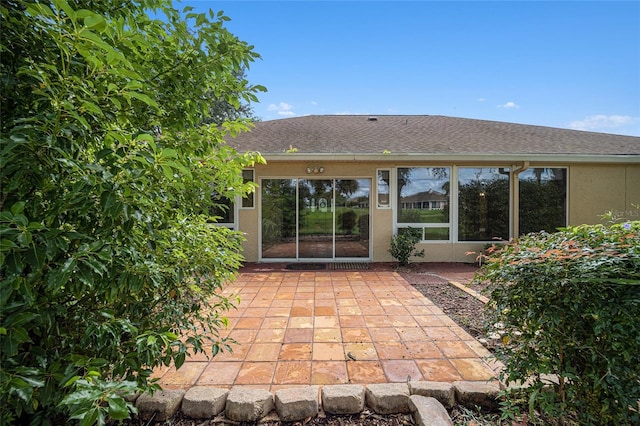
column 566, row 64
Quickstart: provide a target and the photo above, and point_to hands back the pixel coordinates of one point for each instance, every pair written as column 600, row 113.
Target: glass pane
column 543, row 199
column 222, row 210
column 315, row 218
column 248, row 201
column 436, row 234
column 352, row 217
column 278, row 218
column 483, row 203
column 383, row 188
column 423, row 195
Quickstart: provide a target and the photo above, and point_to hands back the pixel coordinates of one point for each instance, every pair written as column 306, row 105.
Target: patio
column 333, row 327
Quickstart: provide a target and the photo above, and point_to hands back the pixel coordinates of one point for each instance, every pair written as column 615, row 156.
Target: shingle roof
column 425, row 134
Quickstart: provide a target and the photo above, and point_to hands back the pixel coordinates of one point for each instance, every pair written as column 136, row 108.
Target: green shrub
column 108, row 265
column 403, row 245
column 568, row 304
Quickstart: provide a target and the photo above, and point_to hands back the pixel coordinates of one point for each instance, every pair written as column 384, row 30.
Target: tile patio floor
column 330, row 327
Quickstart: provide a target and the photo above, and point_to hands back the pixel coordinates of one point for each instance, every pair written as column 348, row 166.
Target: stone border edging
column 423, row 399
column 469, row 291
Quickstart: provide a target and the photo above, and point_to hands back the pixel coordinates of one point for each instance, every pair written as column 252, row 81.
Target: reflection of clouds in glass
column 423, row 179
column 482, row 174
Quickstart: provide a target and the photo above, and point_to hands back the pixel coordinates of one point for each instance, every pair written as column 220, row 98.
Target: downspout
column 515, row 196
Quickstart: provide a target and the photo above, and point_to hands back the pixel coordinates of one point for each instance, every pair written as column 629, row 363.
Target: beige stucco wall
column 593, row 190
column 596, row 189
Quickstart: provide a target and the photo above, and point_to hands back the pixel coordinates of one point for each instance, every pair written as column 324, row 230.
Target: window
column 543, row 199
column 483, row 203
column 383, row 189
column 248, row 202
column 222, row 211
column 423, row 200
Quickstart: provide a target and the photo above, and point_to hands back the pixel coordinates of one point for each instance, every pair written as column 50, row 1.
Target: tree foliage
column 568, row 304
column 109, row 267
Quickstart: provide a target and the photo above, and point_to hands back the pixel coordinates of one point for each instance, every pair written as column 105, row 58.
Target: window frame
column 423, row 226
column 252, row 196
column 379, row 204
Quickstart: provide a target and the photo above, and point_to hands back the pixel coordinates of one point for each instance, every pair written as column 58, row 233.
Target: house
column 337, row 187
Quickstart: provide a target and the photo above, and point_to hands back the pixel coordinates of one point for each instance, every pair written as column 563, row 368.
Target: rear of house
column 336, row 188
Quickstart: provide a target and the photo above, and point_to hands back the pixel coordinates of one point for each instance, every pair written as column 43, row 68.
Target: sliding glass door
column 315, row 219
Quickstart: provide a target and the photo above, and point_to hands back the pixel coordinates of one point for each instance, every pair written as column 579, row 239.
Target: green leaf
column 118, row 409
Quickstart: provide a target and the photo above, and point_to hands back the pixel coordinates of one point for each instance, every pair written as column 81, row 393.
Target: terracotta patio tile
column 361, row 351
column 256, row 373
column 347, row 321
column 346, row 301
column 256, row 312
column 349, row 310
column 253, row 323
column 403, row 321
column 392, row 350
column 412, row 334
column 292, row 372
column 239, row 353
column 274, row 322
column 327, row 335
column 428, row 320
column 326, row 322
column 440, row 333
column 424, row 349
column 263, row 352
column 377, row 321
column 438, row 370
column 401, row 370
column 295, row 352
column 383, row 334
column 329, row 372
column 472, row 369
column 270, row 335
column 278, row 312
column 219, row 373
column 455, row 349
column 188, row 374
column 297, row 311
column 366, row 372
column 301, row 322
column 327, row 352
column 325, row 311
column 298, row 335
column 355, row 335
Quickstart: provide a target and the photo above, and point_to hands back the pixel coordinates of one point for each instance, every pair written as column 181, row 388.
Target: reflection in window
column 483, row 203
column 423, row 200
column 278, row 218
column 383, row 188
column 249, row 200
column 423, row 195
column 543, row 199
column 222, row 210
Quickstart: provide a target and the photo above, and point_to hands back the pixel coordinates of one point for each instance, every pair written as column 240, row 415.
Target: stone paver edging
column 426, row 401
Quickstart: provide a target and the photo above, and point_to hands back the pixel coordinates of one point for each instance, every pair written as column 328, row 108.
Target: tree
column 109, row 267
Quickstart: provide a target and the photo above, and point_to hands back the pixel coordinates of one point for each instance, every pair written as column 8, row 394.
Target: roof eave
column 440, row 157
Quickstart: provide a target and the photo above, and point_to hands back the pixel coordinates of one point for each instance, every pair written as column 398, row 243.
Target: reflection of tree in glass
column 543, row 200
column 278, row 209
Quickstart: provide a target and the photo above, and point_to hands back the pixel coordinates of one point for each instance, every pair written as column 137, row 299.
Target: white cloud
column 509, row 105
column 481, row 99
column 282, row 108
column 314, row 103
column 601, row 121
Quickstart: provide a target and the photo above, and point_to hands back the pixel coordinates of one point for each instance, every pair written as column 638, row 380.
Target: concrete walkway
column 334, row 327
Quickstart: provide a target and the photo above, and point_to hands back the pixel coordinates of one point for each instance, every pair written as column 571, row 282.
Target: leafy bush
column 403, row 245
column 108, row 265
column 568, row 304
